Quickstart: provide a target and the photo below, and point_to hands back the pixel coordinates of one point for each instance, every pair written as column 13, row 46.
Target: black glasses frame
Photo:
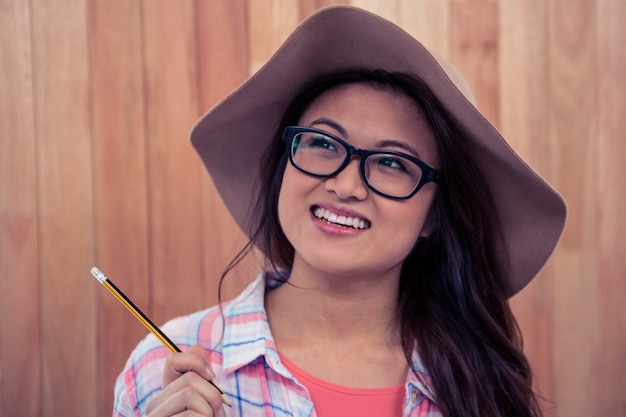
column 429, row 174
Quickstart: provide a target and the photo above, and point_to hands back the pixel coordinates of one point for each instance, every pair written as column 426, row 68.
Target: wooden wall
column 96, row 101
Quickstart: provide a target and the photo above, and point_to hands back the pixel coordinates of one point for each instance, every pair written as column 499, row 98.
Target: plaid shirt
column 246, row 363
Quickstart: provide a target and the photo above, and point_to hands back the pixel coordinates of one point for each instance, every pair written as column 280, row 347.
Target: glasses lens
column 392, row 174
column 316, row 153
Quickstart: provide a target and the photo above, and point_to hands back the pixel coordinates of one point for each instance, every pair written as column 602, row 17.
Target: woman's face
column 367, row 118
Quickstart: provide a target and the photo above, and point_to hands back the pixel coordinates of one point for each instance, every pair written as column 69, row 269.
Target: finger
column 185, row 402
column 204, row 387
column 205, row 372
column 195, row 360
column 188, row 392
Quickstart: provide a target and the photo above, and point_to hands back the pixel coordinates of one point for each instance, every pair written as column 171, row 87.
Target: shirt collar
column 420, row 378
column 247, row 337
column 247, row 334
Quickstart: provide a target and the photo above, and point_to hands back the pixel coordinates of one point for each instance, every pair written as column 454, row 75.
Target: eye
column 322, row 142
column 389, row 161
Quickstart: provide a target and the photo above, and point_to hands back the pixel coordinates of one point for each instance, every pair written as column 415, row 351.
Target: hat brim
column 231, row 137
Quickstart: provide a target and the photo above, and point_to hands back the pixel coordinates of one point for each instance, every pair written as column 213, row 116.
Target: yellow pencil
column 99, row 275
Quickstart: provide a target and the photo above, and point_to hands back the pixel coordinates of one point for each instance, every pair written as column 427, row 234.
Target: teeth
column 347, row 221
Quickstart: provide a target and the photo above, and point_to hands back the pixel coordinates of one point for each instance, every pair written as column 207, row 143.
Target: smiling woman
column 395, row 222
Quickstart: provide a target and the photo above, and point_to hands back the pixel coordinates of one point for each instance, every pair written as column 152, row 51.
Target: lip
column 336, row 228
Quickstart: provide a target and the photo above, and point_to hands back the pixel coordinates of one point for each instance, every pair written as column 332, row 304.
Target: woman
column 395, row 223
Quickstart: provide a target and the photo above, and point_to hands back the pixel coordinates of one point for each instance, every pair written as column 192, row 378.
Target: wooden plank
column 573, row 117
column 121, row 221
column 428, row 21
column 270, row 22
column 63, row 148
column 474, row 50
column 19, row 275
column 222, row 44
column 611, row 200
column 525, row 123
column 173, row 168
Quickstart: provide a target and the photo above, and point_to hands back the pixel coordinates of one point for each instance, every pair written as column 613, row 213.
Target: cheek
column 409, row 235
column 289, row 196
column 295, row 187
column 282, row 200
column 414, row 221
column 432, row 214
column 406, row 242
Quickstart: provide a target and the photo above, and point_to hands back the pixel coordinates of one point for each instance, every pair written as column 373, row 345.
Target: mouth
column 339, row 219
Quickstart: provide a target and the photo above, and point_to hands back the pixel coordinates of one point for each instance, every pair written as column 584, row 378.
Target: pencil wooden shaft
column 149, row 324
column 140, row 316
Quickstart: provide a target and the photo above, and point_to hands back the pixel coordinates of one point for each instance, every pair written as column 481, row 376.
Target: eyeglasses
column 388, row 173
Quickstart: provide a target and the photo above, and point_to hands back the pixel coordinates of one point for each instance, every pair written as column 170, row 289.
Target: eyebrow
column 387, row 143
column 398, row 144
column 332, row 124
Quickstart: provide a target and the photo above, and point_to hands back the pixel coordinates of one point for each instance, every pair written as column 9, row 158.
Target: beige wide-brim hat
column 231, row 137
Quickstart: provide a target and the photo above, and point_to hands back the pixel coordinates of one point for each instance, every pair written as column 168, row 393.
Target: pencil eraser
column 99, row 275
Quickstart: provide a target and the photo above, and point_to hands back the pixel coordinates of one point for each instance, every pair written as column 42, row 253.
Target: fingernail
column 210, row 372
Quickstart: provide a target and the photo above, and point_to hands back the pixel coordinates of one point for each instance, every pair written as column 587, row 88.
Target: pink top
column 339, row 401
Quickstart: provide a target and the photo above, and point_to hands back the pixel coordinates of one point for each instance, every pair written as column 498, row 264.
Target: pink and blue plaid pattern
column 246, row 363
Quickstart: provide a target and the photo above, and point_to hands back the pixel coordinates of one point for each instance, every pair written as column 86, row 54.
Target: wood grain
column 573, row 117
column 63, row 149
column 96, row 168
column 20, row 304
column 271, row 21
column 173, row 168
column 428, row 21
column 611, row 226
column 120, row 179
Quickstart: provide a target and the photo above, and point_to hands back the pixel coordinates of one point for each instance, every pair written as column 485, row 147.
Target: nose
column 348, row 184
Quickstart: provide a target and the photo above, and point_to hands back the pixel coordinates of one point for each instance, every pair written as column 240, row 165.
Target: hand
column 186, row 388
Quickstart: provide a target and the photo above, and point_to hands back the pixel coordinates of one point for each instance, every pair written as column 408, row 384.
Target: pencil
column 99, row 275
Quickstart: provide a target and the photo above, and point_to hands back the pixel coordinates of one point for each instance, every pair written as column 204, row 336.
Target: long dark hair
column 452, row 302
